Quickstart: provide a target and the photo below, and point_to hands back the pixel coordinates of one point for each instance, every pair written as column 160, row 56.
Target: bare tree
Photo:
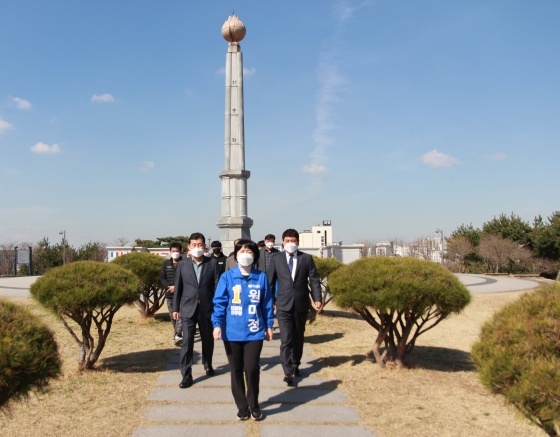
column 368, row 248
column 121, row 241
column 457, row 249
column 425, row 248
column 497, row 251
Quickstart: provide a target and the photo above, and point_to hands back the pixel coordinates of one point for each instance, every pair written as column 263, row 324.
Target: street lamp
column 63, row 233
column 439, row 231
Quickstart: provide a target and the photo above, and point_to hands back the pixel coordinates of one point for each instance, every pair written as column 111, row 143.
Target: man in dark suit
column 196, row 278
column 294, row 271
column 266, row 254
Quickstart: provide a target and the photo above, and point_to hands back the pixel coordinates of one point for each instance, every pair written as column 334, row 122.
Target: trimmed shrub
column 401, row 298
column 28, row 353
column 147, row 268
column 325, row 266
column 518, row 355
column 89, row 293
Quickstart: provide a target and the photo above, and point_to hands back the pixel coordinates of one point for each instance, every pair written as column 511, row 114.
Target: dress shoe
column 289, row 379
column 186, row 382
column 210, row 371
column 297, row 372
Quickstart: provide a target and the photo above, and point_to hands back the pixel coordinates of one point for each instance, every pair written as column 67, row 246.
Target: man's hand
column 268, row 334
column 176, row 315
column 318, row 305
column 171, row 288
column 217, row 333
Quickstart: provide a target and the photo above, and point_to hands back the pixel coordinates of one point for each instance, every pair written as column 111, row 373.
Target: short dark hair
column 197, row 236
column 176, row 245
column 260, row 243
column 269, row 237
column 290, row 233
column 216, row 243
column 249, row 245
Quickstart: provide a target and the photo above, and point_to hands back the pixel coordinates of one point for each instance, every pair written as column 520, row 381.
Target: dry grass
column 439, row 395
column 102, row 402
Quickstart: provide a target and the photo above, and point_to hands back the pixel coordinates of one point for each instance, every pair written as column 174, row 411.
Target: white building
column 318, row 236
column 319, row 242
column 116, row 251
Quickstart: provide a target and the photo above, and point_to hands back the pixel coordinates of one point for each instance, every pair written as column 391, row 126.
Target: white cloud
column 314, row 169
column 103, row 98
column 147, row 165
column 21, row 103
column 498, row 157
column 5, row 126
column 438, row 159
column 248, row 72
column 345, row 10
column 45, row 148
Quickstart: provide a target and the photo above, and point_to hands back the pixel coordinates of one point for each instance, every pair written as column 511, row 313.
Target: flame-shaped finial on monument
column 233, row 29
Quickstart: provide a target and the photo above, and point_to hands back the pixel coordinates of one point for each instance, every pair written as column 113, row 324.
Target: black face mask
column 217, row 250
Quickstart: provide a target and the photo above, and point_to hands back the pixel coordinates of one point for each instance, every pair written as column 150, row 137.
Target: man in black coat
column 294, row 271
column 167, row 279
column 266, row 254
column 196, row 279
column 219, row 255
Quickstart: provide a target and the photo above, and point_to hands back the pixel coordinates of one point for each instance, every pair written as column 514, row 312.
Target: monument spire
column 234, row 222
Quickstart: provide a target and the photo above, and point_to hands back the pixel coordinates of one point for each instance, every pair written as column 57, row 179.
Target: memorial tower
column 234, row 222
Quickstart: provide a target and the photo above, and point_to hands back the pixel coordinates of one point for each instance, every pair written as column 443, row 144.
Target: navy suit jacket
column 294, row 292
column 189, row 292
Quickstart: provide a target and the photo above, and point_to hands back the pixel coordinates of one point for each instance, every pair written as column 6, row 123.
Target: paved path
column 482, row 284
column 313, row 407
column 16, row 286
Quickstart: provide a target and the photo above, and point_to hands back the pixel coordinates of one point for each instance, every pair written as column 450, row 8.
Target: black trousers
column 243, row 358
column 292, row 328
column 207, row 339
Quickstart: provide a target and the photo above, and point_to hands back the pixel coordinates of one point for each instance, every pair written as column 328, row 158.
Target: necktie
column 291, row 263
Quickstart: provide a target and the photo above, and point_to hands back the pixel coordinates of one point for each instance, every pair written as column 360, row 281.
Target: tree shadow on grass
column 162, row 317
column 422, row 357
column 149, row 361
column 341, row 314
column 338, row 360
column 323, row 338
column 440, row 358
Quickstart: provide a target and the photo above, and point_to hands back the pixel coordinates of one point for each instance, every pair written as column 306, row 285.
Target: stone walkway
column 312, row 407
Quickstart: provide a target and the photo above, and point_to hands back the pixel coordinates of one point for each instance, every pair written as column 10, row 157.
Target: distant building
column 318, row 236
column 319, row 242
column 116, row 251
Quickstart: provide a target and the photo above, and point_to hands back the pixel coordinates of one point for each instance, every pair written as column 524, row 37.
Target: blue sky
column 389, row 118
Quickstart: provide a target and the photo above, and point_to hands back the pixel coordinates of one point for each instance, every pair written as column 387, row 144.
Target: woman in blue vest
column 243, row 317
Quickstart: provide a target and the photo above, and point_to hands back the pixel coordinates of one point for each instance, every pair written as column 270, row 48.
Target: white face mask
column 197, row 252
column 245, row 259
column 269, row 245
column 290, row 247
column 175, row 255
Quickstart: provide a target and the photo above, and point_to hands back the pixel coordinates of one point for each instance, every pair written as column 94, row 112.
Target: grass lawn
column 439, row 395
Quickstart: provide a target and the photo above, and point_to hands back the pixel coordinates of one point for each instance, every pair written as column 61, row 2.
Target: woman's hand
column 268, row 334
column 217, row 333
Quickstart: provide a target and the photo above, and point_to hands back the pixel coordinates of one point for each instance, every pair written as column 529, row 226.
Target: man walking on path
column 294, row 271
column 167, row 278
column 196, row 278
column 266, row 253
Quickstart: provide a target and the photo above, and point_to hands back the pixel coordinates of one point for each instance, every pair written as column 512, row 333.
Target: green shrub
column 518, row 355
column 151, row 295
column 401, row 298
column 325, row 266
column 28, row 352
column 89, row 293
